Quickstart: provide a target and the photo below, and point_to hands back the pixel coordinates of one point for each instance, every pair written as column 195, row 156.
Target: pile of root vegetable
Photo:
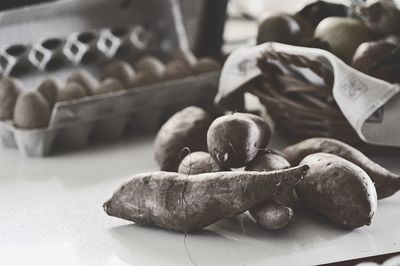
column 365, row 35
column 229, row 170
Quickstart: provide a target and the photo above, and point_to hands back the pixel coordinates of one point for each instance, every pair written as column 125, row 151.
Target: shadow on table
column 234, row 241
column 94, row 165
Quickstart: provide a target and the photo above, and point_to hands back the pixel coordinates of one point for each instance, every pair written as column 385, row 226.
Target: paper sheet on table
column 371, row 106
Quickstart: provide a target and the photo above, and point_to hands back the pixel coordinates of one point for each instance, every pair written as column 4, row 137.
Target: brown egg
column 49, row 90
column 151, row 66
column 85, row 79
column 206, row 64
column 109, row 85
column 177, row 68
column 188, row 57
column 9, row 90
column 121, row 71
column 379, row 59
column 142, row 79
column 72, row 91
column 31, row 111
column 343, row 35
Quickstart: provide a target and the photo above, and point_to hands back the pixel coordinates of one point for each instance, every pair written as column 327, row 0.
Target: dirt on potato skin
column 234, row 140
column 278, row 212
column 199, row 163
column 185, row 204
column 186, row 129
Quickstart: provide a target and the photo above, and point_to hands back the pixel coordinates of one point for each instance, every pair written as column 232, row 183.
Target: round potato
column 234, row 140
column 199, row 163
column 185, row 129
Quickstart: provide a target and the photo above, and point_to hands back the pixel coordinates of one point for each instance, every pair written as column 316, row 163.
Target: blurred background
column 211, row 24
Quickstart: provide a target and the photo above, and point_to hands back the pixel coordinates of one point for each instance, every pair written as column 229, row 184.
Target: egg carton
column 92, row 47
column 54, row 39
column 53, row 36
column 108, row 117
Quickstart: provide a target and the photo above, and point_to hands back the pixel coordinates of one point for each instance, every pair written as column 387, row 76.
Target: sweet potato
column 386, row 182
column 199, row 163
column 278, row 212
column 338, row 189
column 272, row 215
column 189, row 203
column 234, row 140
column 185, row 129
column 267, row 160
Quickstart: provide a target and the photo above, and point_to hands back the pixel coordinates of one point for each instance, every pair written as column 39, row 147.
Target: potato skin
column 283, row 28
column 234, row 140
column 272, row 215
column 186, row 129
column 267, row 160
column 338, row 189
column 386, row 182
column 278, row 212
column 199, row 163
column 177, row 202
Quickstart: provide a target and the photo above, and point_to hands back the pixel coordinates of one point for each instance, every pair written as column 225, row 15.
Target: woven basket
column 300, row 109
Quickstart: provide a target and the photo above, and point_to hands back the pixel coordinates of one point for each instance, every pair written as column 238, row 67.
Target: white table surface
column 51, row 214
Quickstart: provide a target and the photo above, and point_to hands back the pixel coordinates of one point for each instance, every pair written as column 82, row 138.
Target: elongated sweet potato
column 338, row 189
column 186, row 129
column 185, row 204
column 276, row 213
column 386, row 182
column 199, row 163
column 234, row 140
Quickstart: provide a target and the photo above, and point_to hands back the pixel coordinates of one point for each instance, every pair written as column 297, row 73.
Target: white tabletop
column 51, row 214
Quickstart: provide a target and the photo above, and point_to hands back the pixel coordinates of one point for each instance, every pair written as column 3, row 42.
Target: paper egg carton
column 108, row 117
column 52, row 40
